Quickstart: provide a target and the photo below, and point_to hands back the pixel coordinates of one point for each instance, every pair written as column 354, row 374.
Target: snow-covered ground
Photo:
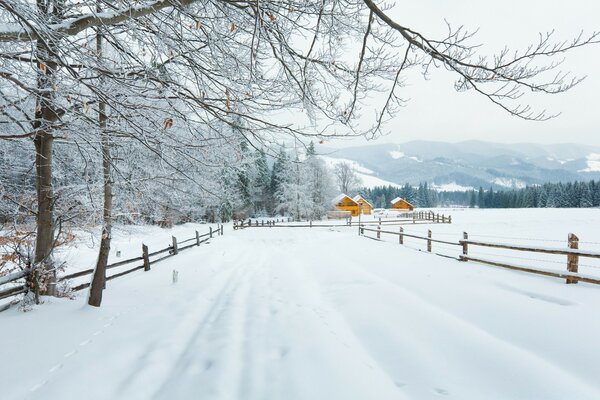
column 299, row 313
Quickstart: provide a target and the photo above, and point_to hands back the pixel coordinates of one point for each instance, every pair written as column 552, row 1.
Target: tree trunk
column 45, row 198
column 99, row 278
column 46, row 115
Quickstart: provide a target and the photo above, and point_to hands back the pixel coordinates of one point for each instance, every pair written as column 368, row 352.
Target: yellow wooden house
column 400, row 204
column 344, row 202
column 366, row 208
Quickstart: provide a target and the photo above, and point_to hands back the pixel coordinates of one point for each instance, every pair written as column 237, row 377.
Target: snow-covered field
column 299, row 313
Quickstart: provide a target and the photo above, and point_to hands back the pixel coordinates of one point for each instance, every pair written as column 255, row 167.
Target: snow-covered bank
column 310, row 314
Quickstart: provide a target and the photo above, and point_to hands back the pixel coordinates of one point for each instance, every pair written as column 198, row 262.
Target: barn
column 366, row 206
column 344, row 202
column 400, row 204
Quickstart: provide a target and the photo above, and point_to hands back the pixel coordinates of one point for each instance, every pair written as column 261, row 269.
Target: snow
column 332, row 162
column 593, row 163
column 365, row 175
column 370, row 181
column 451, row 187
column 509, row 182
column 339, row 198
column 395, row 154
column 300, row 313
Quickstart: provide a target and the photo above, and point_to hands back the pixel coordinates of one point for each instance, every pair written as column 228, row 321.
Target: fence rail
column 146, row 258
column 571, row 275
column 417, row 217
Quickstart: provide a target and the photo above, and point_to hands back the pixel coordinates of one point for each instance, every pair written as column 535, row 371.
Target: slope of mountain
column 474, row 163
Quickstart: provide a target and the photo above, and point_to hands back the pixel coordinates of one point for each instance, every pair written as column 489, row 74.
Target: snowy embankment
column 299, row 313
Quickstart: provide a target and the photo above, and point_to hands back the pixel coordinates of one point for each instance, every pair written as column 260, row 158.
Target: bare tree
column 345, row 177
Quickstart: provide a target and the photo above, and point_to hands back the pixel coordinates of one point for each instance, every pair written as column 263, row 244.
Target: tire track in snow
column 212, row 345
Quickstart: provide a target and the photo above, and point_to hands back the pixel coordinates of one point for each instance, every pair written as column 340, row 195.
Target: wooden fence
column 146, row 260
column 420, row 217
column 572, row 253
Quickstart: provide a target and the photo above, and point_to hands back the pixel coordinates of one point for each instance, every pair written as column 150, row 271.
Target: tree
column 194, row 65
column 472, row 199
column 346, row 179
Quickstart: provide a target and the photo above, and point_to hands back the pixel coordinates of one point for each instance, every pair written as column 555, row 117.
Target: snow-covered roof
column 358, row 198
column 339, row 198
column 397, row 199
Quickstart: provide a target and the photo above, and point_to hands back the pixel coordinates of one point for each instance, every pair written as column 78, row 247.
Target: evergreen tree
column 481, row 198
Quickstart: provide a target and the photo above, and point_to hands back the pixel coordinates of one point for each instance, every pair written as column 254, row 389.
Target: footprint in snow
column 85, row 342
column 283, row 352
column 71, row 353
column 55, row 368
column 38, row 386
column 441, row 392
column 208, row 364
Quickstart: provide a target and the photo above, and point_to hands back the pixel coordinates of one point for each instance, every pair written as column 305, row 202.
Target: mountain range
column 469, row 164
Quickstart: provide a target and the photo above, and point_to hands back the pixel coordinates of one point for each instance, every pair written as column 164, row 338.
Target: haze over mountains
column 470, row 164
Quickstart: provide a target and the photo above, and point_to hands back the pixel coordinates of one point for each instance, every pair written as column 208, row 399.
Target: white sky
column 437, row 112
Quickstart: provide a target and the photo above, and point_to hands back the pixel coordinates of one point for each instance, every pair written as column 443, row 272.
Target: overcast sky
column 437, row 112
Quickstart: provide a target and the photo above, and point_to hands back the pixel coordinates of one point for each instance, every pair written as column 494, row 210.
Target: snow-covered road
column 311, row 314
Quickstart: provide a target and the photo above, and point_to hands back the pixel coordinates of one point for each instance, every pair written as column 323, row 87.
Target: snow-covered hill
column 367, row 177
column 475, row 163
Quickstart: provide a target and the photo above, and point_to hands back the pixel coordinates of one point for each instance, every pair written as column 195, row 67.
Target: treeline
column 551, row 195
column 422, row 196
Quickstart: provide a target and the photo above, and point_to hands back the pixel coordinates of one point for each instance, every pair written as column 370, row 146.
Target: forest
column 551, row 195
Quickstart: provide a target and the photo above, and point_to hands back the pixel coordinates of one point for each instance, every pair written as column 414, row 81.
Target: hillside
column 469, row 164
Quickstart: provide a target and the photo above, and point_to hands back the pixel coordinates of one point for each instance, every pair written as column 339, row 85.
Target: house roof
column 397, row 199
column 358, row 198
column 340, row 197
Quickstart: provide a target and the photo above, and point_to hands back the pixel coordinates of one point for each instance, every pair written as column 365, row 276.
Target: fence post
column 438, row 219
column 401, row 235
column 429, row 240
column 262, row 223
column 449, row 219
column 414, row 219
column 175, row 250
column 465, row 246
column 573, row 260
column 378, row 231
column 256, row 223
column 210, row 231
column 310, row 223
column 145, row 257
column 197, row 238
column 221, row 229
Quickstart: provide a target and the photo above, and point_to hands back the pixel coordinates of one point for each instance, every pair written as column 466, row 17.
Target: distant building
column 343, row 202
column 366, row 208
column 400, row 204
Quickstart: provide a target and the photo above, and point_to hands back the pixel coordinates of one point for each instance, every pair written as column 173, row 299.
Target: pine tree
column 481, row 198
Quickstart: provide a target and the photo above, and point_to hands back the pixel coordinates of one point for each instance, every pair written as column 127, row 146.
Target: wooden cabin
column 366, row 208
column 400, row 204
column 343, row 202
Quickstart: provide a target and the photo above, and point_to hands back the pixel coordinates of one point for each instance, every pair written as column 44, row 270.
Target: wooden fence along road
column 419, row 217
column 572, row 252
column 147, row 260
